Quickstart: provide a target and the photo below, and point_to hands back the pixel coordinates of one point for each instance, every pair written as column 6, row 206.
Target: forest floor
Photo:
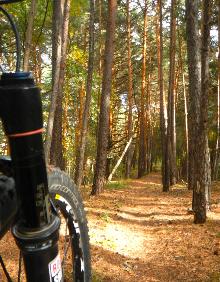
column 138, row 233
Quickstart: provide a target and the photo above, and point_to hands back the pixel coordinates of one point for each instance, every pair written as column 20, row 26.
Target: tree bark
column 163, row 126
column 171, row 97
column 28, row 34
column 186, row 161
column 194, row 66
column 202, row 185
column 130, row 92
column 102, row 146
column 142, row 134
column 58, row 7
column 56, row 151
column 120, row 159
column 186, row 125
column 215, row 169
column 198, row 90
column 83, row 137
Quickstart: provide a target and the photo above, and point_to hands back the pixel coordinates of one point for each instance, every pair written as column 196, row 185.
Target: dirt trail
column 139, row 233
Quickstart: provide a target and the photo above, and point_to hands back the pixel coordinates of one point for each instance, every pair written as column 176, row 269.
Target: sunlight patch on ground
column 213, row 215
column 152, row 183
column 115, row 237
column 153, row 216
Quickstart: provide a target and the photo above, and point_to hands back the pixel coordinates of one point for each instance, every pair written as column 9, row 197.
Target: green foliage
column 117, row 185
column 78, row 7
column 76, row 74
column 214, row 277
column 105, row 217
column 96, row 277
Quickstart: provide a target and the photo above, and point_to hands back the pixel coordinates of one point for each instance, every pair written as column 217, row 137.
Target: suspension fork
column 37, row 229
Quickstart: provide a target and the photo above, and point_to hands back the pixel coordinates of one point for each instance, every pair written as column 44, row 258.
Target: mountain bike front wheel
column 74, row 239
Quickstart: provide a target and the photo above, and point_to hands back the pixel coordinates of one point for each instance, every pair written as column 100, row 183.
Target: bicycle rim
column 71, row 253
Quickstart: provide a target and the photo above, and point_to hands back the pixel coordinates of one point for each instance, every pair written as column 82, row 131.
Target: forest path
column 139, row 233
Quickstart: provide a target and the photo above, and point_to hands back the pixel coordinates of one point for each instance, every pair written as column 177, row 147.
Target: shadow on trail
column 124, row 268
column 143, row 234
column 151, row 222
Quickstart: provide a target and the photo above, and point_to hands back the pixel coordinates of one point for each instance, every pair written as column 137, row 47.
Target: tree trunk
column 194, row 62
column 148, row 123
column 56, row 151
column 58, row 7
column 79, row 115
column 186, row 125
column 171, row 97
column 28, row 34
column 100, row 8
column 163, row 128
column 130, row 92
column 102, row 146
column 198, row 94
column 186, row 160
column 83, row 137
column 142, row 134
column 203, row 181
column 120, row 159
column 215, row 169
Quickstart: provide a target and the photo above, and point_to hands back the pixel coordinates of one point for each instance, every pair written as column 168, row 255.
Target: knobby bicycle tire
column 68, row 203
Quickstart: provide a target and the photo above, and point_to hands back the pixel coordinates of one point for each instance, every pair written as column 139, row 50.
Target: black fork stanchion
column 37, row 227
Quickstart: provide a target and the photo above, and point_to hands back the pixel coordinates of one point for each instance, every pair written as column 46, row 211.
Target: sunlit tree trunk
column 203, row 175
column 29, row 33
column 171, row 97
column 142, row 132
column 215, row 169
column 198, row 91
column 130, row 92
column 79, row 114
column 81, row 148
column 100, row 52
column 102, row 146
column 194, row 66
column 56, row 151
column 163, row 127
column 181, row 65
column 148, row 123
column 186, row 124
column 58, row 7
column 120, row 159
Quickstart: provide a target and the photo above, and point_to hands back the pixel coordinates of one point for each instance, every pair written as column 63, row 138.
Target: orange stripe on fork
column 28, row 133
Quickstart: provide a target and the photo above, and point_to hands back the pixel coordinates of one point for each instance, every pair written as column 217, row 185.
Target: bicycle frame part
column 9, row 1
column 37, row 228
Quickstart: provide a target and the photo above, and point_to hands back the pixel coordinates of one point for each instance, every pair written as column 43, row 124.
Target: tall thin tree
column 198, row 94
column 215, row 168
column 194, row 68
column 103, row 130
column 201, row 192
column 56, row 151
column 142, row 133
column 171, row 97
column 58, row 8
column 163, row 123
column 82, row 145
column 29, row 33
column 130, row 91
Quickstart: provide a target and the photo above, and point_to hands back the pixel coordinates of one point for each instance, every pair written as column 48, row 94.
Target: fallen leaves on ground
column 140, row 233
